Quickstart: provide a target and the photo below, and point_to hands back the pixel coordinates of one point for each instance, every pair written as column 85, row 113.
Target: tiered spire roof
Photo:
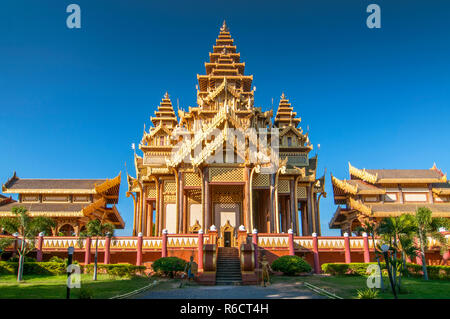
column 224, row 61
column 165, row 113
column 285, row 114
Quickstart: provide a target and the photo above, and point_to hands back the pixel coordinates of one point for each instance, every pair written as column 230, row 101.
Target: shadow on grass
column 54, row 287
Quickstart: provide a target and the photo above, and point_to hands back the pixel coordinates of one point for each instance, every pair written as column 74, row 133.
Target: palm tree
column 398, row 233
column 98, row 229
column 427, row 226
column 28, row 228
column 370, row 229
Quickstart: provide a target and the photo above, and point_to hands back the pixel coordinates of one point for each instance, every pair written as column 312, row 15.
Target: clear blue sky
column 72, row 101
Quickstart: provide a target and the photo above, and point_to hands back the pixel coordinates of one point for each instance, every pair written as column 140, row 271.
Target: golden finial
column 283, row 96
column 166, row 95
column 224, row 27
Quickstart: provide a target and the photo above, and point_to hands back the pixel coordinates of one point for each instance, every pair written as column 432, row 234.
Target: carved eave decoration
column 108, row 184
column 359, row 206
column 344, row 186
column 362, row 174
column 441, row 191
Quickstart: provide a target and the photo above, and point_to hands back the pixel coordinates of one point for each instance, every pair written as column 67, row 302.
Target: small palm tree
column 427, row 226
column 398, row 233
column 96, row 228
column 28, row 228
column 371, row 230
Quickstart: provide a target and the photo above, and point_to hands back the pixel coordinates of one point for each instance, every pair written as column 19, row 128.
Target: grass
column 346, row 286
column 54, row 287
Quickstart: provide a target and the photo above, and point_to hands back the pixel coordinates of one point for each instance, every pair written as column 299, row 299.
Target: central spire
column 224, row 69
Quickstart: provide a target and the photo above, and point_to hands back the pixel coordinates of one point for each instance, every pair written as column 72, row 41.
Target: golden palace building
column 70, row 202
column 373, row 194
column 179, row 188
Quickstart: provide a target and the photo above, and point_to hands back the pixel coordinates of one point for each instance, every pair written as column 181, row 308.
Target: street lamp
column 385, row 250
column 70, row 251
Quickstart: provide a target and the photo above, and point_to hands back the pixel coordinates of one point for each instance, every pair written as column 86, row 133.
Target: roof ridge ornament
column 224, row 27
column 362, row 174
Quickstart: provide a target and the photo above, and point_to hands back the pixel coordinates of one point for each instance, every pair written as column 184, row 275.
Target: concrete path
column 274, row 291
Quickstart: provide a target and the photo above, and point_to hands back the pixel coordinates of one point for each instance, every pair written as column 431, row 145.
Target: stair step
column 228, row 267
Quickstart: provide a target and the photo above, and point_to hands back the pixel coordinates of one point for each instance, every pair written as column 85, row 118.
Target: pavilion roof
column 380, row 176
column 90, row 210
column 285, row 114
column 165, row 113
column 396, row 209
column 105, row 187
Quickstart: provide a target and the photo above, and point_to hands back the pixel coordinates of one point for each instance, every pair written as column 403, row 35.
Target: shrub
column 8, row 268
column 354, row 269
column 360, row 269
column 367, row 293
column 56, row 259
column 168, row 265
column 33, row 268
column 26, row 259
column 434, row 272
column 291, row 265
column 117, row 270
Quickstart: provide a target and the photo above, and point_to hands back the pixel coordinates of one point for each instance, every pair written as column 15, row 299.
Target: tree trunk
column 402, row 270
column 95, row 259
column 20, row 270
column 21, row 260
column 422, row 255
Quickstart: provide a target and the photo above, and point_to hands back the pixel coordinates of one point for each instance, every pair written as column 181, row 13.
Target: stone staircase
column 228, row 270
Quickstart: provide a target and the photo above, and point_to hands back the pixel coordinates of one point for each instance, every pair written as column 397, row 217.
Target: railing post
column 140, row 241
column 200, row 251
column 291, row 242
column 242, row 236
column 366, row 248
column 39, row 246
column 107, row 250
column 348, row 259
column 316, row 253
column 164, row 243
column 213, row 235
column 87, row 251
column 255, row 245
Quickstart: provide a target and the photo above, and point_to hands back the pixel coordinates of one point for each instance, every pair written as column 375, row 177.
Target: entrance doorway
column 227, row 239
column 227, row 235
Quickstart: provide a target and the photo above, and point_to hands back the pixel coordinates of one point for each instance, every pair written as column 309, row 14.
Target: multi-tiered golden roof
column 180, row 184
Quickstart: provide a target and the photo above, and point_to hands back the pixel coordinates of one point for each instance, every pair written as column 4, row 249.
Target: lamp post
column 69, row 262
column 385, row 249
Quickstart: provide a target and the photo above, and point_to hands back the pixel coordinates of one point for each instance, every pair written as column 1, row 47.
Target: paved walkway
column 275, row 291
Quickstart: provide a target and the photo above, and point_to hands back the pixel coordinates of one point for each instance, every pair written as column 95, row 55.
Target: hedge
column 168, row 266
column 119, row 270
column 291, row 265
column 33, row 268
column 360, row 269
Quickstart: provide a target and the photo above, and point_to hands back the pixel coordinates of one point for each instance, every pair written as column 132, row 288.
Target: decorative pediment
column 195, row 228
column 292, row 129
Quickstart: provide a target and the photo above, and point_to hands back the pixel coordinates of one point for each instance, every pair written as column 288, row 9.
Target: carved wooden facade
column 194, row 173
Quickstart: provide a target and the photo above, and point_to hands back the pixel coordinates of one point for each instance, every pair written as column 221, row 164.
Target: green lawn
column 346, row 286
column 54, row 287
